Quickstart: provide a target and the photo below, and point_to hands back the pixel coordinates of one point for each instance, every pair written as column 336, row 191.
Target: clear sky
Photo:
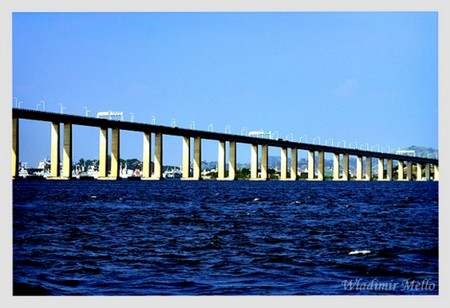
column 360, row 77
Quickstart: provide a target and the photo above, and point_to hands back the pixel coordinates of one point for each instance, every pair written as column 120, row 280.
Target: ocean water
column 230, row 238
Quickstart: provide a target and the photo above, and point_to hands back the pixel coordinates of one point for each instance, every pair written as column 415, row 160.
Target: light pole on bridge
column 61, row 108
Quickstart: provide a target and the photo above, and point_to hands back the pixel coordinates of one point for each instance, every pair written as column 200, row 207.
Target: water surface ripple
column 206, row 237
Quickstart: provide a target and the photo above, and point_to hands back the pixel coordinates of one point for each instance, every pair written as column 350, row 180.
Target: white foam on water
column 359, row 252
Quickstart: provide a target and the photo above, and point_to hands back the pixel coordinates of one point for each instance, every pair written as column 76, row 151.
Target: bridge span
column 425, row 168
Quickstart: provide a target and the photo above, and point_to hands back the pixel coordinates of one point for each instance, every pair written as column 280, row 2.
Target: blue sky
column 360, row 77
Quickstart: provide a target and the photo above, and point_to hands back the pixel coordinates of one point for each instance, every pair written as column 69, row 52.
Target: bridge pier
column 264, row 162
column 221, row 160
column 408, row 171
column 419, row 172
column 67, row 152
column 345, row 167
column 146, row 156
column 368, row 175
column 254, row 162
column 389, row 170
column 186, row 161
column 321, row 166
column 311, row 165
column 54, row 150
column 400, row 170
column 232, row 163
column 158, row 157
column 15, row 148
column 103, row 153
column 284, row 164
column 336, row 159
column 427, row 172
column 380, row 169
column 359, row 173
column 197, row 163
column 115, row 154
column 197, row 172
column 294, row 153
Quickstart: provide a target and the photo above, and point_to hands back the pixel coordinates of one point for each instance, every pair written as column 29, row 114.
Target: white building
column 406, row 152
column 260, row 134
column 110, row 115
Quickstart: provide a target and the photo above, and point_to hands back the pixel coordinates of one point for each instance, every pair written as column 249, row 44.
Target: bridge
column 425, row 168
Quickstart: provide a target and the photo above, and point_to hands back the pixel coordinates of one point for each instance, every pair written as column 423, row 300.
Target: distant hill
column 423, row 151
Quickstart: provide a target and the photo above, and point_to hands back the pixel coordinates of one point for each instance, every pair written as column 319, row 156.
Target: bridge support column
column 335, row 166
column 158, row 158
column 389, row 170
column 427, row 172
column 67, row 151
column 103, row 153
column 284, row 163
column 54, row 150
column 359, row 168
column 232, row 175
column 197, row 172
column 400, row 170
column 15, row 148
column 380, row 169
column 265, row 162
column 419, row 172
column 221, row 160
column 368, row 169
column 345, row 167
column 293, row 164
column 321, row 166
column 408, row 171
column 254, row 162
column 436, row 173
column 186, row 162
column 146, row 156
column 115, row 153
column 311, row 165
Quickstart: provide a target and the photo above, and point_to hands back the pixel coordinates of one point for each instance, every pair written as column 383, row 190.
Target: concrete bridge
column 426, row 168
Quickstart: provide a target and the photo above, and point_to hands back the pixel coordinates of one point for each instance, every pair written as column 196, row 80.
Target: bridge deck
column 175, row 131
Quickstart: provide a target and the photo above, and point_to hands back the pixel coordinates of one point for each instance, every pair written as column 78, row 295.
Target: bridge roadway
column 199, row 134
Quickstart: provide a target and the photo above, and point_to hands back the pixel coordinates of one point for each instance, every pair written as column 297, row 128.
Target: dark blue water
column 174, row 237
